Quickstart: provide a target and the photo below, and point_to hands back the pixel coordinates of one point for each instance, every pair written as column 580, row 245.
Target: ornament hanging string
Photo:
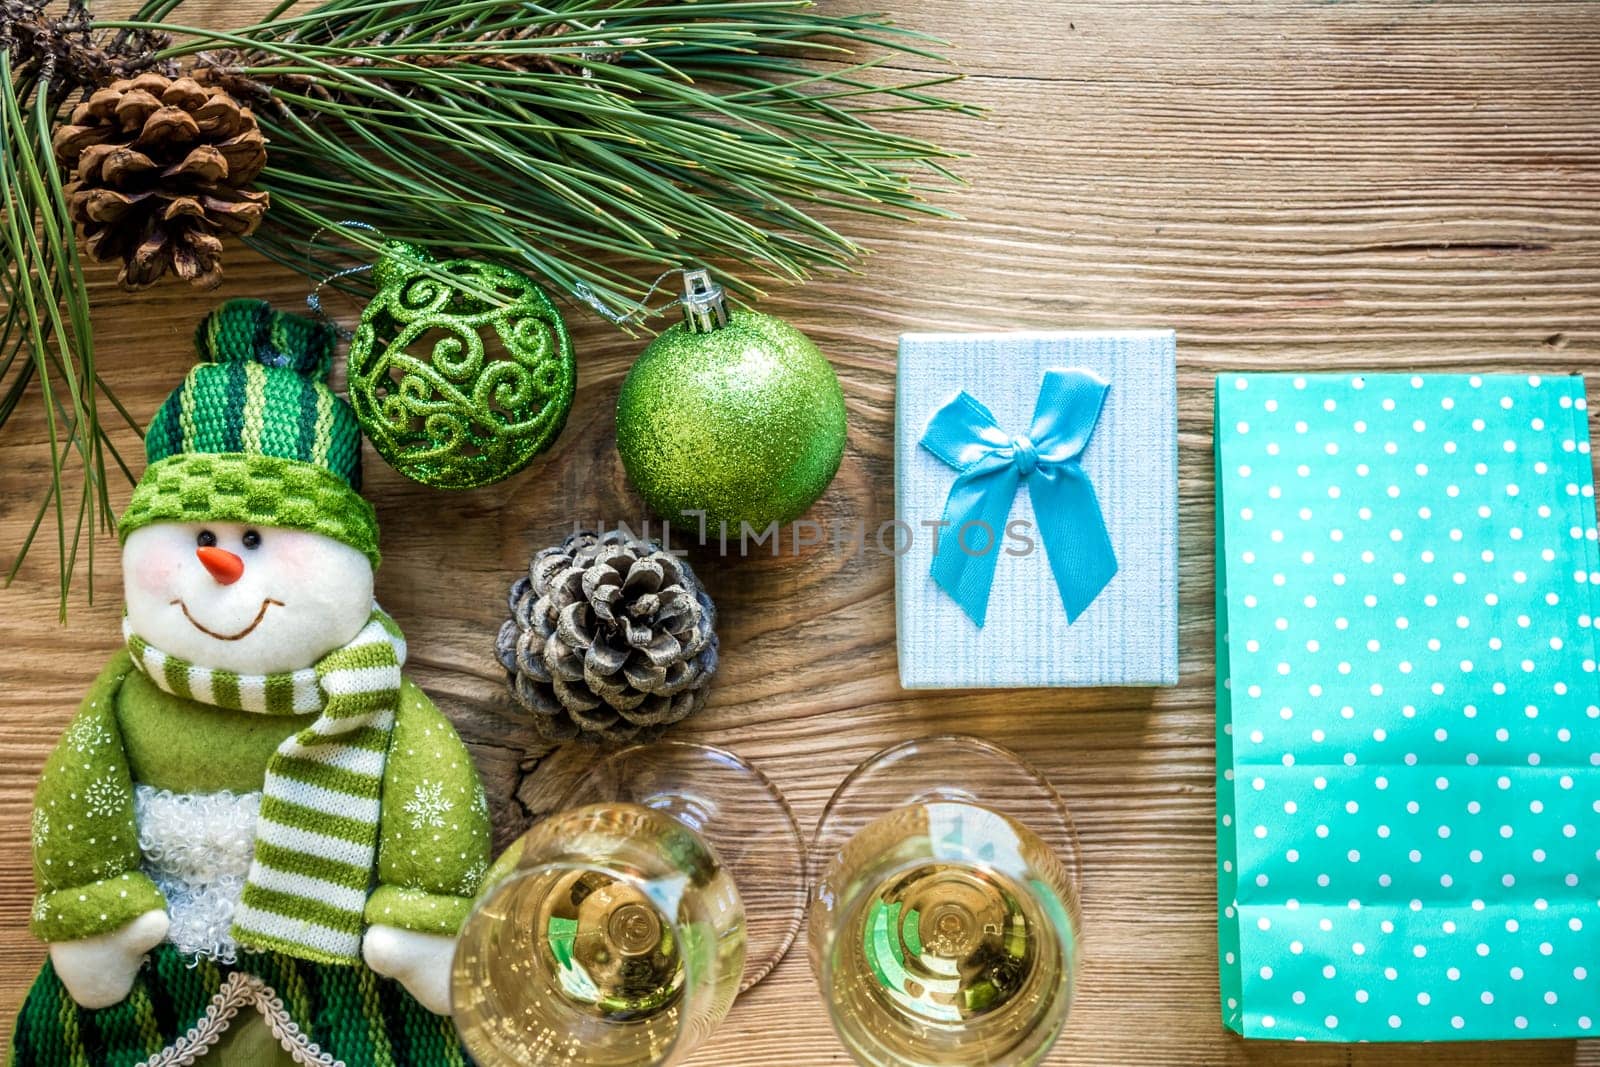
column 641, row 310
column 314, row 298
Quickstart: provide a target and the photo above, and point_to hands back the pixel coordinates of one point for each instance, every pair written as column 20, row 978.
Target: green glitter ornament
column 454, row 389
column 732, row 413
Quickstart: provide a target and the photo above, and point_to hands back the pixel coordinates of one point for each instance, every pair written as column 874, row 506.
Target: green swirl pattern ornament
column 461, row 372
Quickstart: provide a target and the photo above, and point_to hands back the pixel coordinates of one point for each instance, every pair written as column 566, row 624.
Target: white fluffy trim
column 197, row 848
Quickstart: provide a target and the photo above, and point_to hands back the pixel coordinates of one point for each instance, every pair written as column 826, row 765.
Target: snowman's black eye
column 251, row 539
column 206, row 539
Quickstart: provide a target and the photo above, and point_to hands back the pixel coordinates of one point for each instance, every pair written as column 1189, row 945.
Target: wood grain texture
column 1352, row 185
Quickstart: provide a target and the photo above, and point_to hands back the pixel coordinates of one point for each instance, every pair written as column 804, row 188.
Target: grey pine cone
column 610, row 638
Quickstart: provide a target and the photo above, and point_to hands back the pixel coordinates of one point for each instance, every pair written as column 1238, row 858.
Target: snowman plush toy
column 256, row 841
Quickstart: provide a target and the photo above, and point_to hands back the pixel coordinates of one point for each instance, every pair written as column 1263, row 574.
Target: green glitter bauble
column 454, row 390
column 745, row 422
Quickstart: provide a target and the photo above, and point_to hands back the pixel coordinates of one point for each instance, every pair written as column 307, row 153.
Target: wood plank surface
column 1322, row 186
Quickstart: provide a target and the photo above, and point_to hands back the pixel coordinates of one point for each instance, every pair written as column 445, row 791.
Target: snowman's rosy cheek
column 156, row 569
column 303, row 558
column 291, row 551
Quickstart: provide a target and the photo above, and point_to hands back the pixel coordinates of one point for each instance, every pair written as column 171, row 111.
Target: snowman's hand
column 420, row 962
column 99, row 971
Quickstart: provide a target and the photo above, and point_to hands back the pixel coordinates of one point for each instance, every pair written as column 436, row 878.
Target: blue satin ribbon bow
column 993, row 465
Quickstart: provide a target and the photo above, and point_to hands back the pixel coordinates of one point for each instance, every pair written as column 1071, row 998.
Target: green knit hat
column 254, row 435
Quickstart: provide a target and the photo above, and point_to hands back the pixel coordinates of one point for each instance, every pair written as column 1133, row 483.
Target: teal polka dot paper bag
column 1408, row 746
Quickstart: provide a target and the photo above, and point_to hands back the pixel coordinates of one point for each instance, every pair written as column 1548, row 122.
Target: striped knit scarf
column 317, row 837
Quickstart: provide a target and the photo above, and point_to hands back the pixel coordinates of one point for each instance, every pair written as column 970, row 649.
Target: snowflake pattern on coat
column 428, row 806
column 105, row 797
column 472, row 877
column 86, row 735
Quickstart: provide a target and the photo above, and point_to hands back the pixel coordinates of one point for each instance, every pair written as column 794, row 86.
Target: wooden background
column 1289, row 185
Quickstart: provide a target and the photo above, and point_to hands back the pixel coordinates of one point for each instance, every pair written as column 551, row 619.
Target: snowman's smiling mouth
column 265, row 604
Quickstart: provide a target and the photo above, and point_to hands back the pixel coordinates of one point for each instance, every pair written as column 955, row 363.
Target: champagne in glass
column 944, row 933
column 610, row 936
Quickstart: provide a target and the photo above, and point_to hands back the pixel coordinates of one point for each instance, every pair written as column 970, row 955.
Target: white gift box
column 1128, row 635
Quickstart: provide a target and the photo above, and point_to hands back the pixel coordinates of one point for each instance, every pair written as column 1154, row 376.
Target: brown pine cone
column 160, row 168
column 610, row 638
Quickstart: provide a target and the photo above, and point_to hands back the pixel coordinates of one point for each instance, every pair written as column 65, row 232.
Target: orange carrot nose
column 224, row 566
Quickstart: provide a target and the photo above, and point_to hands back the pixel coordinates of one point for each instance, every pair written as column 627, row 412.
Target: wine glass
column 944, row 923
column 615, row 932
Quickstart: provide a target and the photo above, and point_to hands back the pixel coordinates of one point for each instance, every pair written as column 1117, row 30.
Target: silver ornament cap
column 705, row 306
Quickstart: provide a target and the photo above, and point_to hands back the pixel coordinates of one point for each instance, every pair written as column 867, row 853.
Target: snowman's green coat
column 433, row 834
column 189, row 747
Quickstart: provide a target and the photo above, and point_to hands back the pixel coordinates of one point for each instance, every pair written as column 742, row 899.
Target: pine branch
column 591, row 143
column 46, row 333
